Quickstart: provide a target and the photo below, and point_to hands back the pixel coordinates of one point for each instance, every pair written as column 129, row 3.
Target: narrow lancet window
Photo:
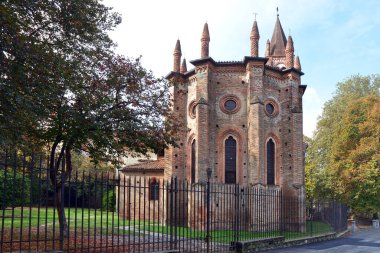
column 270, row 162
column 193, row 154
column 230, row 161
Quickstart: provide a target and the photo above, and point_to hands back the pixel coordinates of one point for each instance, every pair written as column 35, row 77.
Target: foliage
column 14, row 189
column 62, row 87
column 343, row 159
column 109, row 201
column 82, row 162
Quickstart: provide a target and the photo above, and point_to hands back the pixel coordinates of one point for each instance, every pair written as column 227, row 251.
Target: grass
column 227, row 236
column 88, row 220
column 92, row 222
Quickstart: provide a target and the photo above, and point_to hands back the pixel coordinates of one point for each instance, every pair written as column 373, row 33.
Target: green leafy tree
column 343, row 156
column 357, row 155
column 62, row 87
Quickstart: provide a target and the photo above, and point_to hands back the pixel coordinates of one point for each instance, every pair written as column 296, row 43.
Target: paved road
column 367, row 241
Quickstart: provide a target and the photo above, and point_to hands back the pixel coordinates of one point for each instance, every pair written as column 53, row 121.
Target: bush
column 15, row 188
column 109, row 201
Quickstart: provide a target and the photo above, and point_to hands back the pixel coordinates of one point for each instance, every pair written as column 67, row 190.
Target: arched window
column 193, row 154
column 154, row 189
column 230, row 161
column 270, row 162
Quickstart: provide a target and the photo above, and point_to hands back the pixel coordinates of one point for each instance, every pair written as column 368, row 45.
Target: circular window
column 192, row 109
column 271, row 108
column 229, row 104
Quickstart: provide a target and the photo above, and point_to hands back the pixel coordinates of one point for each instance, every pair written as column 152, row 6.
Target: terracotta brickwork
column 245, row 117
column 199, row 98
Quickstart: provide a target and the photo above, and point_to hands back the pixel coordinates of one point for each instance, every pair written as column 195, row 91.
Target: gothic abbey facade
column 242, row 127
column 243, row 119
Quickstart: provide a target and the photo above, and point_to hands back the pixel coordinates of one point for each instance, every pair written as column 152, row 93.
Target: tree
column 63, row 87
column 357, row 155
column 344, row 155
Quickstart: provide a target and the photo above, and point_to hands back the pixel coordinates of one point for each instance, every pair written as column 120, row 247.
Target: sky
column 334, row 39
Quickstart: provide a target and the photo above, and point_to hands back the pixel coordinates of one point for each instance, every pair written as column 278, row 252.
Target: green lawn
column 96, row 222
column 90, row 220
column 226, row 236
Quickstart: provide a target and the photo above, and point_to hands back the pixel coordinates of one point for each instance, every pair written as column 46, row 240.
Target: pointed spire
column 289, row 53
column 255, row 36
column 278, row 41
column 177, row 56
column 205, row 41
column 297, row 63
column 183, row 66
column 267, row 49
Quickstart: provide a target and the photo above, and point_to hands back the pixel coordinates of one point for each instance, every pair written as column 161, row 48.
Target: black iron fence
column 101, row 212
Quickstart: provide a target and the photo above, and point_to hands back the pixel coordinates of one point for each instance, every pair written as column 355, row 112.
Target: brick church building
column 242, row 119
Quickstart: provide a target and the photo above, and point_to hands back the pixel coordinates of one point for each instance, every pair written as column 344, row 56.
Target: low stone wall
column 257, row 244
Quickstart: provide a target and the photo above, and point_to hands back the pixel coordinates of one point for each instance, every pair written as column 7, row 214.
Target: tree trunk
column 58, row 181
column 63, row 228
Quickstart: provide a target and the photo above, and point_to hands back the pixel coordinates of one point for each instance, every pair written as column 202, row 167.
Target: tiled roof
column 150, row 165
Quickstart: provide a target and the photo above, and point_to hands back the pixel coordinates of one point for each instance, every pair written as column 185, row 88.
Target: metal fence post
column 237, row 209
column 311, row 216
column 176, row 214
column 62, row 219
column 208, row 210
column 171, row 213
column 282, row 216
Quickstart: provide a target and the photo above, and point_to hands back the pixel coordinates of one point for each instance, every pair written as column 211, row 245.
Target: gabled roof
column 156, row 165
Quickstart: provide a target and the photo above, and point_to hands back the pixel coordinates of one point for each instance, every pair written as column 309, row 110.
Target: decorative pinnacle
column 177, row 57
column 205, row 33
column 205, row 41
column 289, row 44
column 297, row 63
column 183, row 66
column 267, row 49
column 255, row 31
column 255, row 36
column 177, row 49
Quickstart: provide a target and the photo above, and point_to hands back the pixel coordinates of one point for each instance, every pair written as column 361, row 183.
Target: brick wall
column 253, row 84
